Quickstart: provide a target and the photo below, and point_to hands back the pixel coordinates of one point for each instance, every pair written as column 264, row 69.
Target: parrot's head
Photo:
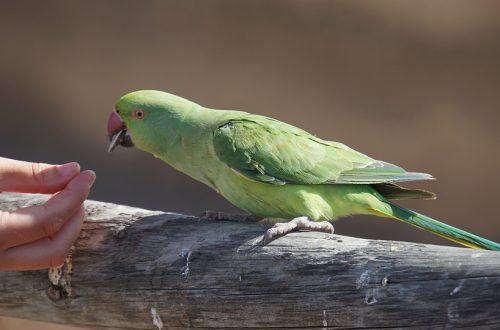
column 144, row 118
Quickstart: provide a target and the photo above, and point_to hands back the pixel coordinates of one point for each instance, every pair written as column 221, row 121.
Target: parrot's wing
column 271, row 151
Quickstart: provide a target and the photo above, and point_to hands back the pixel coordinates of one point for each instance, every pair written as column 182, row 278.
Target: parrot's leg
column 301, row 223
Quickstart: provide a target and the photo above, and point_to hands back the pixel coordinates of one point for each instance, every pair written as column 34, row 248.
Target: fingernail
column 68, row 169
column 92, row 178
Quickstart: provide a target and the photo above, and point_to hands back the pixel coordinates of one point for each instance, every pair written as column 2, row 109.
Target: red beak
column 115, row 124
column 117, row 132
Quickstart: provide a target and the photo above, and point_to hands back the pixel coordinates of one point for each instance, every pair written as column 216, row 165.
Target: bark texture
column 138, row 269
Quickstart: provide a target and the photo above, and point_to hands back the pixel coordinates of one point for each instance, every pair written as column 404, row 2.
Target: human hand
column 40, row 236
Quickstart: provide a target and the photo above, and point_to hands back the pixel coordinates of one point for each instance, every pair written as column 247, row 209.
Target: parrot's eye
column 139, row 114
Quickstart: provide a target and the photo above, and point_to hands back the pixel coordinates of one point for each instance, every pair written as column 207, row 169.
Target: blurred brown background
column 412, row 83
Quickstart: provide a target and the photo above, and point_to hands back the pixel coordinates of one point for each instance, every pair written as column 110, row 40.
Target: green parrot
column 271, row 169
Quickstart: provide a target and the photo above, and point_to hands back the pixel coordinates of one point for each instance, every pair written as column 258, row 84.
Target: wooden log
column 139, row 269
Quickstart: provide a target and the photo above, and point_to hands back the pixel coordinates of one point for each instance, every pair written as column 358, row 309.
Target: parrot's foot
column 221, row 216
column 302, row 223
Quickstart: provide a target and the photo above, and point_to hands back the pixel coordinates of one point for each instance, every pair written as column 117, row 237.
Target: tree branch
column 139, row 269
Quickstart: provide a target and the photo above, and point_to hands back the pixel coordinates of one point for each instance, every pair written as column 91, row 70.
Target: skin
column 269, row 168
column 40, row 236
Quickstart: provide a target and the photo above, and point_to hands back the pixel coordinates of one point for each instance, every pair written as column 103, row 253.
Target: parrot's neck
column 187, row 144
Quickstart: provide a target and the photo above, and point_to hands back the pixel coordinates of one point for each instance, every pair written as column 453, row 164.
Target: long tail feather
column 449, row 232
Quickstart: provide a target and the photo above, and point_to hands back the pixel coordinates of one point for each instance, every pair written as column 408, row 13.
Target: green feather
column 449, row 232
column 393, row 191
column 262, row 145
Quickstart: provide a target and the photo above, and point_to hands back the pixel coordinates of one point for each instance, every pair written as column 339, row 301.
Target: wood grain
column 132, row 264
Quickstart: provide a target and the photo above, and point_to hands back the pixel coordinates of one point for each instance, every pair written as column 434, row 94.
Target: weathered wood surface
column 132, row 264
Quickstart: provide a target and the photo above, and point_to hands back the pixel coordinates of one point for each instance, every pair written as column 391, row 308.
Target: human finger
column 20, row 176
column 37, row 221
column 46, row 252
